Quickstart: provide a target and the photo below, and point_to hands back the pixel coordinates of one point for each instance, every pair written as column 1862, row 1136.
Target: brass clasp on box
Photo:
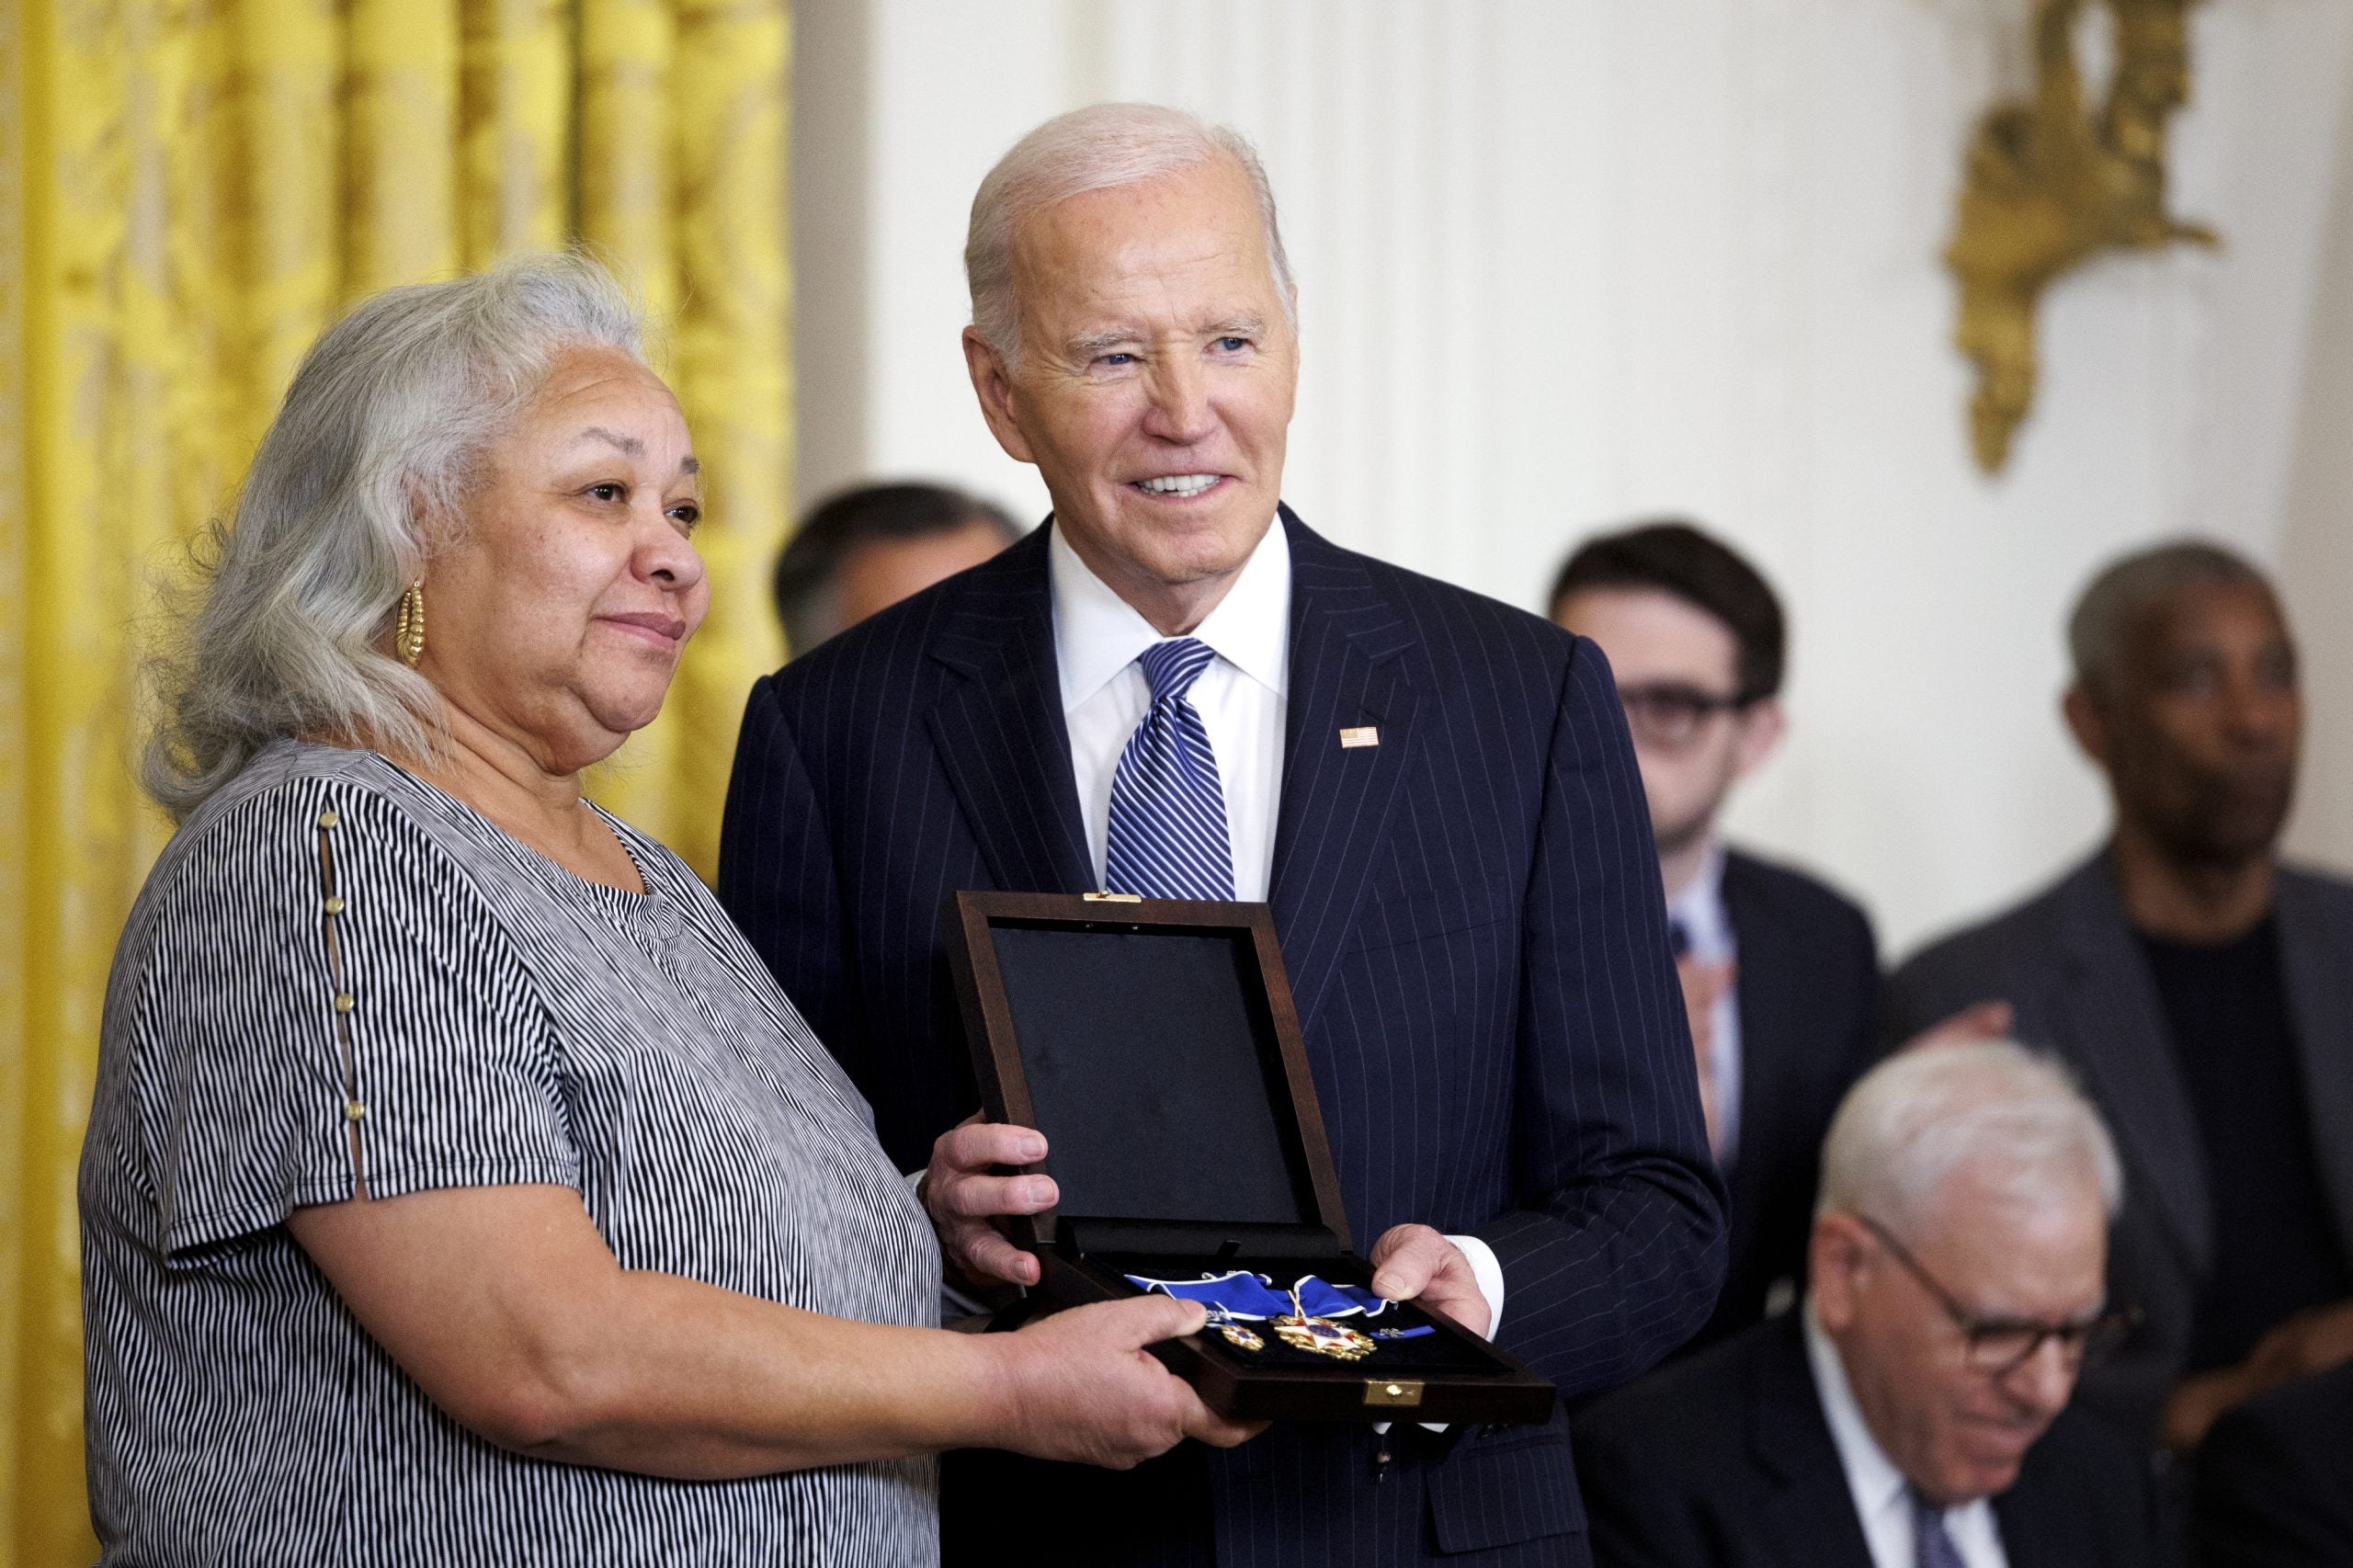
column 1112, row 897
column 1400, row 1393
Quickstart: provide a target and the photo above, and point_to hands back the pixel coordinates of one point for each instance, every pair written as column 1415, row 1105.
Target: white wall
column 1566, row 262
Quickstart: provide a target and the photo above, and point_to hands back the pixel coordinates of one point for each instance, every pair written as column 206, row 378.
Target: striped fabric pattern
column 334, row 967
column 1166, row 835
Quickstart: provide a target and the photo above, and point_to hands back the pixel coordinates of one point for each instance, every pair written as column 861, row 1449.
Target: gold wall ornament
column 2050, row 183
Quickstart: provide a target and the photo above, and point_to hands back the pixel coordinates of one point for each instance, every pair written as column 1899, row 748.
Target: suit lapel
column 1344, row 673
column 999, row 731
column 2313, row 945
column 2114, row 1015
column 1809, row 1511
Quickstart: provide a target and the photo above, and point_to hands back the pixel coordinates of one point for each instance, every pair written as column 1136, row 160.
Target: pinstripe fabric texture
column 334, row 963
column 1471, row 916
column 1166, row 836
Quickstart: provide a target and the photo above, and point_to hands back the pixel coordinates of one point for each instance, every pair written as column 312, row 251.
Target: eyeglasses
column 1671, row 714
column 1997, row 1345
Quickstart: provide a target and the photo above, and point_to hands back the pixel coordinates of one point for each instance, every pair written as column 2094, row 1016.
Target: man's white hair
column 1096, row 148
column 2014, row 1119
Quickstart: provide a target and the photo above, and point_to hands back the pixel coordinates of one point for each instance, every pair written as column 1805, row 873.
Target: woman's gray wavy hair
column 364, row 470
column 1095, row 148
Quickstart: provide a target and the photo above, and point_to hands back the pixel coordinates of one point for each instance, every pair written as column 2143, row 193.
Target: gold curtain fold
column 189, row 191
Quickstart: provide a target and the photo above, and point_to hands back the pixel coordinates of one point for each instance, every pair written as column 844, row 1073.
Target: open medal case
column 1155, row 1044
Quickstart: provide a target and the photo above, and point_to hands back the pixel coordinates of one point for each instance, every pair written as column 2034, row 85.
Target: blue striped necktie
column 1167, row 829
column 1932, row 1544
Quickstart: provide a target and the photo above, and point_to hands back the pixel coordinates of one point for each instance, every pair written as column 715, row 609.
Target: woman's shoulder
column 293, row 785
column 301, row 832
column 299, row 812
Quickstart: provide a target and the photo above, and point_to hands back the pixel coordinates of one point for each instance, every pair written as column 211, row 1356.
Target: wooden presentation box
column 1155, row 1044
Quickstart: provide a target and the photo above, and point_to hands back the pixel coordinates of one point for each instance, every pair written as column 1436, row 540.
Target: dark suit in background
column 1808, row 997
column 1470, row 917
column 2274, row 1484
column 1725, row 1459
column 2070, row 963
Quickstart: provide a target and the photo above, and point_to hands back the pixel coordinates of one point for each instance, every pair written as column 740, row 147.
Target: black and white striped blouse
column 331, row 947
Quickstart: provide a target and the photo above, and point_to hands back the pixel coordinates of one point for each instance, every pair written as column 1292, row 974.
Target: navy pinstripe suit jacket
column 1471, row 916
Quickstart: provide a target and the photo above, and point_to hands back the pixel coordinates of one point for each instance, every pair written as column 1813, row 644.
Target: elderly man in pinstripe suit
column 1176, row 688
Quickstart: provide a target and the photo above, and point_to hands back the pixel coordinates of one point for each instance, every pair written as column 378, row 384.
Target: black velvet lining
column 1154, row 1072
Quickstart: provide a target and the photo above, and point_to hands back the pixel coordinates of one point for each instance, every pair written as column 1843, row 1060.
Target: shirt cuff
column 1488, row 1273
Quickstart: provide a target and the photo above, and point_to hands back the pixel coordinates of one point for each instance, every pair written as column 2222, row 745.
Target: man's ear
column 993, row 384
column 1833, row 1258
column 2085, row 722
column 1762, row 725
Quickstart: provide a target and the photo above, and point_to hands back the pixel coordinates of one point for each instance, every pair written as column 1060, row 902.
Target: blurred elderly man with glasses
column 1914, row 1414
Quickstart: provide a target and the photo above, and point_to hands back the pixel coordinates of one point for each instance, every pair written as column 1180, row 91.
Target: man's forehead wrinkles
column 1115, row 282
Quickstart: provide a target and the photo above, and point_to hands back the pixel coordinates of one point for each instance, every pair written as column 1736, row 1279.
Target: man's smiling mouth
column 1183, row 486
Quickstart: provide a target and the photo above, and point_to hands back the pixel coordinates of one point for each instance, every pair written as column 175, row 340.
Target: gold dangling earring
column 408, row 632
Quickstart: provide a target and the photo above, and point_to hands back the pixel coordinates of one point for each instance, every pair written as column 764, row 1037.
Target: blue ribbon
column 1253, row 1297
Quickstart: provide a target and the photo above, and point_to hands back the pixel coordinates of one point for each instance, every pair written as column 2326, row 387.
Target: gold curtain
column 189, row 191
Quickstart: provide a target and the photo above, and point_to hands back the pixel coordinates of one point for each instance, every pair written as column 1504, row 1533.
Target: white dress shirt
column 1699, row 910
column 1240, row 697
column 1883, row 1497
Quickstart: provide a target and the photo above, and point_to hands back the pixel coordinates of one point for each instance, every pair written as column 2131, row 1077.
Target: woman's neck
column 502, row 777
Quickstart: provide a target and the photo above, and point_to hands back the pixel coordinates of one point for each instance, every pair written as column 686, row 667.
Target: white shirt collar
column 1097, row 633
column 1872, row 1476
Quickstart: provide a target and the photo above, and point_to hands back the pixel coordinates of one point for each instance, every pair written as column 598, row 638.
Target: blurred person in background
column 459, row 1185
column 2274, row 1479
column 1780, row 973
column 1914, row 1414
column 2198, row 986
column 864, row 549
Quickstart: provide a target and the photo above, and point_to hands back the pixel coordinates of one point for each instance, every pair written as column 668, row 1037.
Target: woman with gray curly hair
column 459, row 1186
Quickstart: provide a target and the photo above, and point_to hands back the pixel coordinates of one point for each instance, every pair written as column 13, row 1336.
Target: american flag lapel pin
column 1359, row 735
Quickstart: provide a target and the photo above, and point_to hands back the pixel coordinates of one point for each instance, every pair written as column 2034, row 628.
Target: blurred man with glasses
column 1780, row 973
column 1914, row 1414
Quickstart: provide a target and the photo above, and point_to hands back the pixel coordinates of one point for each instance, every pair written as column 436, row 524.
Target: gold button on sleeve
column 328, row 819
column 343, row 1002
column 353, row 1110
column 334, row 903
